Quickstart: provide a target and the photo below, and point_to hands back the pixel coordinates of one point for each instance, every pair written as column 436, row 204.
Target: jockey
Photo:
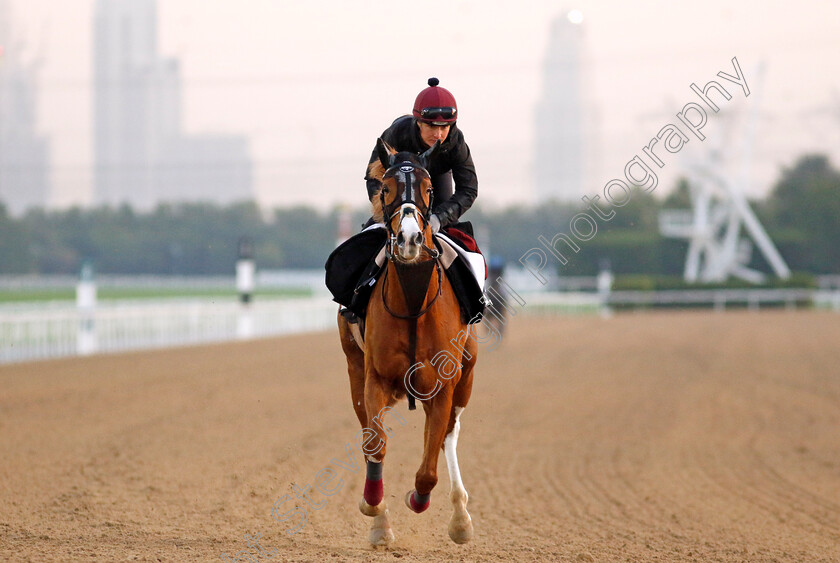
column 434, row 119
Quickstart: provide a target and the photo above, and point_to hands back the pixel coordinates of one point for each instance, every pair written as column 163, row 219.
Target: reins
column 410, row 287
column 425, row 309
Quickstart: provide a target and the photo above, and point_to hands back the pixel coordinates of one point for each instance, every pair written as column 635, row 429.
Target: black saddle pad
column 349, row 265
column 351, row 272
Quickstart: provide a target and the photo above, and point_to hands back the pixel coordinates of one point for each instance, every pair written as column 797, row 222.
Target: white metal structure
column 721, row 227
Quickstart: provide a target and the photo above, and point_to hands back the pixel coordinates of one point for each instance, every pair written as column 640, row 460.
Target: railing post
column 245, row 282
column 86, row 342
column 604, row 283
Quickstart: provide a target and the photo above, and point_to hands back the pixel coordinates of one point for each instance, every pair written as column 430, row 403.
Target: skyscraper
column 24, row 153
column 562, row 114
column 141, row 155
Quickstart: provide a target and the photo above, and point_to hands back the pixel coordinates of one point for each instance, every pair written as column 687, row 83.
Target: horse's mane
column 376, row 171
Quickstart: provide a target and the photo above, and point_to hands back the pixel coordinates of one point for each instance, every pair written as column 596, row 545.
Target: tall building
column 141, row 155
column 24, row 153
column 562, row 114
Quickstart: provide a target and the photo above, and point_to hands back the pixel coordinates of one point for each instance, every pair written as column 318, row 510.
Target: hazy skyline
column 313, row 84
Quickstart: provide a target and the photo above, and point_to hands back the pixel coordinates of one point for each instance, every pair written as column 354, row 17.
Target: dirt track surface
column 645, row 437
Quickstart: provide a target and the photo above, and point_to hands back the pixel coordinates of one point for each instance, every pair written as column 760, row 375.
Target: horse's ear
column 424, row 158
column 386, row 153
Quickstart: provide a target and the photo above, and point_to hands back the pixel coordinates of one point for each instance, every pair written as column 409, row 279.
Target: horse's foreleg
column 377, row 397
column 460, row 526
column 437, row 417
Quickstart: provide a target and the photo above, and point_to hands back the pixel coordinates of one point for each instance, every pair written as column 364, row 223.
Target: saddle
column 353, row 268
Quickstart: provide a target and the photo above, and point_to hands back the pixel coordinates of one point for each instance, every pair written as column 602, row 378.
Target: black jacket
column 453, row 155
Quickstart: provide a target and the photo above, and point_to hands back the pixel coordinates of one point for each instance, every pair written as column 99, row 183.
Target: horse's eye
column 385, row 190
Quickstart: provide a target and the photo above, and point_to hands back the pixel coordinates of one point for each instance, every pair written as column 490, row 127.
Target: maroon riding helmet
column 435, row 105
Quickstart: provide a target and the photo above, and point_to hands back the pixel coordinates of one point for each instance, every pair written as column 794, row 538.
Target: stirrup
column 349, row 315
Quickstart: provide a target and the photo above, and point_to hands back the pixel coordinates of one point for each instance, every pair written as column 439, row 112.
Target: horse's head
column 406, row 200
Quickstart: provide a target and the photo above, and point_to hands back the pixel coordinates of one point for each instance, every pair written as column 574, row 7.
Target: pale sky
column 314, row 83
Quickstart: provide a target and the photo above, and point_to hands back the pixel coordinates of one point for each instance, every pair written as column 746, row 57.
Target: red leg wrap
column 420, row 503
column 373, row 492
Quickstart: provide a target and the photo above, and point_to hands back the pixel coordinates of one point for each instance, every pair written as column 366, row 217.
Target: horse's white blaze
column 450, row 445
column 409, row 226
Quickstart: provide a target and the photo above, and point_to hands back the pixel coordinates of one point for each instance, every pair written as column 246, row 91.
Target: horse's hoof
column 461, row 529
column 369, row 510
column 381, row 537
column 381, row 533
column 411, row 504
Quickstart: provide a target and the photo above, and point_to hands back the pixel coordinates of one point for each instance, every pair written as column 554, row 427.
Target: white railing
column 576, row 302
column 302, row 279
column 561, row 302
column 718, row 298
column 55, row 330
column 49, row 330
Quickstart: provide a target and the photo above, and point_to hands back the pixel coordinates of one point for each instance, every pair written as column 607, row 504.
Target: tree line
column 801, row 215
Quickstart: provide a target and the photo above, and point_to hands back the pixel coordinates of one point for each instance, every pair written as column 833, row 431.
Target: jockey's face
column 431, row 133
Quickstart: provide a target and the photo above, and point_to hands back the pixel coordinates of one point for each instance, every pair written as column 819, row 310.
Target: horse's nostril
column 417, row 238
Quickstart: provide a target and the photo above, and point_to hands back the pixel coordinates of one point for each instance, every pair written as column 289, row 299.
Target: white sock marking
column 450, row 445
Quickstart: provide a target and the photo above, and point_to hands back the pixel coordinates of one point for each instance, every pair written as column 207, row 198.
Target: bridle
column 406, row 175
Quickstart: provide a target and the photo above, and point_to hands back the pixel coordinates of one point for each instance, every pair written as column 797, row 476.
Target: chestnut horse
column 413, row 315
